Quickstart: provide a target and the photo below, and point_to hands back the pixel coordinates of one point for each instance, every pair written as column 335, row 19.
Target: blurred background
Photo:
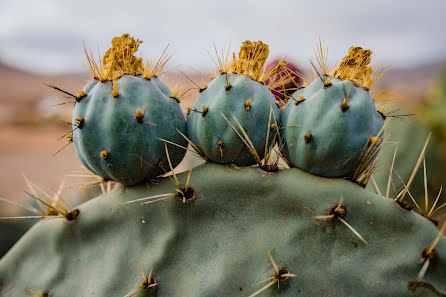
column 42, row 42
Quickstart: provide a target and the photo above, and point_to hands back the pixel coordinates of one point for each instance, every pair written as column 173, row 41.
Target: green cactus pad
column 218, row 244
column 249, row 101
column 326, row 135
column 117, row 137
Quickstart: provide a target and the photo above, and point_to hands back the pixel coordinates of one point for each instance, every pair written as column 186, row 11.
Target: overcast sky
column 47, row 35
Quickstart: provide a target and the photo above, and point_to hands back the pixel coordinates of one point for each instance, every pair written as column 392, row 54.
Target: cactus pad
column 219, row 243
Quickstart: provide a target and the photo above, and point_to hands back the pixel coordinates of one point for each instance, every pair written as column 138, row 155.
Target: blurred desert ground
column 32, row 123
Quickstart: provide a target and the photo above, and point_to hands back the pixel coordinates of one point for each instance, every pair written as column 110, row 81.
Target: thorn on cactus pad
column 70, row 140
column 248, row 104
column 72, row 215
column 327, row 83
column 403, row 205
column 37, row 293
column 200, row 90
column 115, row 92
column 50, row 207
column 139, row 115
column 228, row 85
column 220, row 147
column 80, row 95
column 308, row 137
column 338, row 211
column 429, row 254
column 185, row 193
column 149, row 283
column 280, row 275
column 80, row 121
column 299, row 101
column 344, row 105
column 204, row 110
column 104, row 154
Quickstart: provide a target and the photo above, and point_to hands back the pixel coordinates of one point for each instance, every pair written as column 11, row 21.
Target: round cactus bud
column 120, row 137
column 329, row 132
column 123, row 116
column 249, row 101
column 331, row 128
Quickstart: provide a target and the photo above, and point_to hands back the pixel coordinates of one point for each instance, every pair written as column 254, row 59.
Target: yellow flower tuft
column 118, row 60
column 251, row 58
column 355, row 67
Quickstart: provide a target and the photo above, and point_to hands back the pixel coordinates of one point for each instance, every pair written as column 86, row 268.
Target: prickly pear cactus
column 123, row 115
column 238, row 96
column 331, row 127
column 236, row 233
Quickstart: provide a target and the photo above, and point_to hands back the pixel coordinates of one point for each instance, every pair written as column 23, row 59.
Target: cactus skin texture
column 218, row 244
column 118, row 135
column 337, row 134
column 250, row 102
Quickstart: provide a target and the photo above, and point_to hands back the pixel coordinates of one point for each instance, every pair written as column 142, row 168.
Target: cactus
column 121, row 115
column 237, row 93
column 236, row 231
column 332, row 127
column 217, row 241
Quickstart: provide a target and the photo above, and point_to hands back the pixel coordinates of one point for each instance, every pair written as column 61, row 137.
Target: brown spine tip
column 300, row 100
column 104, row 155
column 308, row 137
column 337, row 211
column 372, row 140
column 228, row 86
column 248, row 104
column 203, row 88
column 175, row 98
column 327, row 83
column 204, row 110
column 115, row 92
column 73, row 215
column 344, row 105
column 429, row 254
column 80, row 121
column 150, row 284
column 220, row 145
column 80, row 95
column 139, row 115
column 282, row 275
